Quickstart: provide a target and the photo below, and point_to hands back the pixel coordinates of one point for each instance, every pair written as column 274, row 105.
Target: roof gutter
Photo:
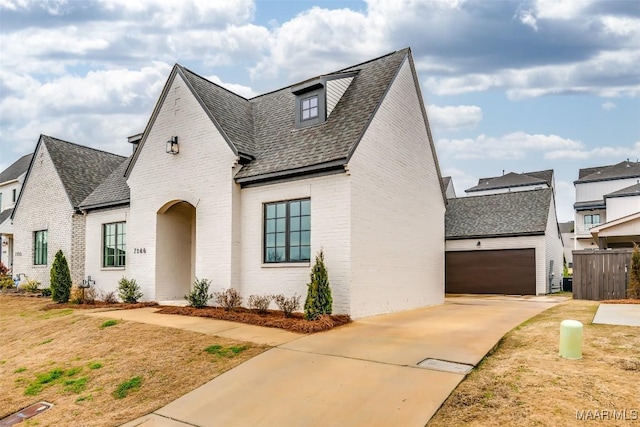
column 332, row 166
column 491, row 236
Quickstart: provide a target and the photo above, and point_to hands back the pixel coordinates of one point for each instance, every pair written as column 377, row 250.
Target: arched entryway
column 175, row 250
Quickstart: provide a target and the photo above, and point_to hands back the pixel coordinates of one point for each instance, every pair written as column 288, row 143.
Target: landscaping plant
column 287, row 305
column 129, row 291
column 200, row 295
column 30, row 286
column 634, row 273
column 228, row 299
column 319, row 300
column 260, row 303
column 60, row 279
column 6, row 282
column 3, row 269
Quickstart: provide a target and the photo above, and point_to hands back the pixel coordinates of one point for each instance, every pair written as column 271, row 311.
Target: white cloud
column 454, row 117
column 607, row 106
column 595, row 153
column 560, row 9
column 527, row 18
column 241, row 90
column 511, row 146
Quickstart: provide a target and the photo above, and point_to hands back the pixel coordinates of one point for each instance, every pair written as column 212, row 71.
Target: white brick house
column 342, row 162
column 46, row 217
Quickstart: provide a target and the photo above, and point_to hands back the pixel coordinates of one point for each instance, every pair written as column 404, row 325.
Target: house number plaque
column 139, row 250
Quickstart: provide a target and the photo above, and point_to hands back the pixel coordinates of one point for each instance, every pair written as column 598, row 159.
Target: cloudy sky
column 509, row 85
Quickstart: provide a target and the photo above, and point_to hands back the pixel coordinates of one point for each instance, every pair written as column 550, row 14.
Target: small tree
column 129, row 291
column 319, row 300
column 200, row 295
column 633, row 290
column 60, row 279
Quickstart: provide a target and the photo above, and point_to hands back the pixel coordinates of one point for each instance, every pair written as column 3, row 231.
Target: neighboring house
column 504, row 243
column 46, row 217
column 447, row 184
column 11, row 180
column 567, row 231
column 605, row 194
column 245, row 192
column 623, row 228
column 513, row 182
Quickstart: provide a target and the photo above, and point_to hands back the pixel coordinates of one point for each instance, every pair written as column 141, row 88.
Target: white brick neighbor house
column 245, row 192
column 11, row 180
column 607, row 206
column 46, row 217
column 504, row 237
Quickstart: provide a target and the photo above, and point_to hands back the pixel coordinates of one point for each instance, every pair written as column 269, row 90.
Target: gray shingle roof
column 113, row 190
column 5, row 214
column 625, row 169
column 18, row 167
column 264, row 126
column 81, row 169
column 510, row 180
column 546, row 175
column 494, row 215
column 633, row 190
column 566, row 227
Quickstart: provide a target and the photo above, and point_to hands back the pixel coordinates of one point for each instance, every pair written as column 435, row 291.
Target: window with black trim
column 287, row 231
column 309, row 108
column 591, row 220
column 40, row 247
column 114, row 242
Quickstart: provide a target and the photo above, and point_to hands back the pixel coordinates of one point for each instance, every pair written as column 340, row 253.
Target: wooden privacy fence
column 601, row 275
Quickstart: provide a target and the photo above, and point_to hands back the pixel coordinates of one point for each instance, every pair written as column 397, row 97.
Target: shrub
column 46, row 292
column 108, row 297
column 633, row 290
column 3, row 269
column 6, row 282
column 60, row 279
column 31, row 286
column 228, row 299
column 319, row 300
column 82, row 295
column 287, row 305
column 260, row 303
column 200, row 295
column 129, row 291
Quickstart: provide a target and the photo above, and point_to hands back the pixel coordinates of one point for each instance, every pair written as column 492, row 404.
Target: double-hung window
column 114, row 244
column 40, row 247
column 287, row 231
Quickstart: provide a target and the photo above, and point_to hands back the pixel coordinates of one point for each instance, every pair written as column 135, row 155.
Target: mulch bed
column 272, row 319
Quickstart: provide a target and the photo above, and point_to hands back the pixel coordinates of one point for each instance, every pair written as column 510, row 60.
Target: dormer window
column 309, row 108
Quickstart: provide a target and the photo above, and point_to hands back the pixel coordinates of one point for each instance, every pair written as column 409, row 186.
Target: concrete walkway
column 618, row 314
column 362, row 374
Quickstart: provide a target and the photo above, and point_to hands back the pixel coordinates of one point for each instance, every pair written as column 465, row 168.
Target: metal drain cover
column 28, row 412
column 444, row 366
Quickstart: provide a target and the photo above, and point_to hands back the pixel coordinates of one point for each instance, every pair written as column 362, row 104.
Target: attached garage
column 507, row 271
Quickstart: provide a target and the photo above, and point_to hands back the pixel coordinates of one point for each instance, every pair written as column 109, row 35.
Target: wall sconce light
column 478, row 244
column 172, row 145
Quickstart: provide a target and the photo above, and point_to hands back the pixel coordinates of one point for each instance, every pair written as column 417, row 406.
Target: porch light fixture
column 478, row 244
column 172, row 145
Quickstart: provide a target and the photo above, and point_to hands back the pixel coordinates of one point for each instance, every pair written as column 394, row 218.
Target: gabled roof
column 518, row 213
column 5, row 214
column 18, row 167
column 633, row 190
column 113, row 190
column 566, row 227
column 81, row 169
column 513, row 180
column 625, row 169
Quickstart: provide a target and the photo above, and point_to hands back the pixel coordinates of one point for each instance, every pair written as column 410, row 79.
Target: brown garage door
column 509, row 271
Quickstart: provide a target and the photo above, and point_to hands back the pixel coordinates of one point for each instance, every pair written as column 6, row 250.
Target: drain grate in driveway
column 444, row 366
column 28, row 412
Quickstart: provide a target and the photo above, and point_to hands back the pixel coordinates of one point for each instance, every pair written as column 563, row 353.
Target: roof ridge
column 505, row 192
column 82, row 146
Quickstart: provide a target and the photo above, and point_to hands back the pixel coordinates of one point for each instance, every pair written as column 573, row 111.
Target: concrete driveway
column 365, row 373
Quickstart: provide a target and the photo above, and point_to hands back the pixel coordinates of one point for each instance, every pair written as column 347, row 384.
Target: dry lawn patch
column 526, row 383
column 99, row 375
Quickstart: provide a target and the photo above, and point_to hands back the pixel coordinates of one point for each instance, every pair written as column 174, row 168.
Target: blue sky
column 509, row 85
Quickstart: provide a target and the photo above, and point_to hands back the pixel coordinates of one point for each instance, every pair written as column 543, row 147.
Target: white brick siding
column 397, row 209
column 44, row 206
column 106, row 278
column 329, row 230
column 201, row 175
